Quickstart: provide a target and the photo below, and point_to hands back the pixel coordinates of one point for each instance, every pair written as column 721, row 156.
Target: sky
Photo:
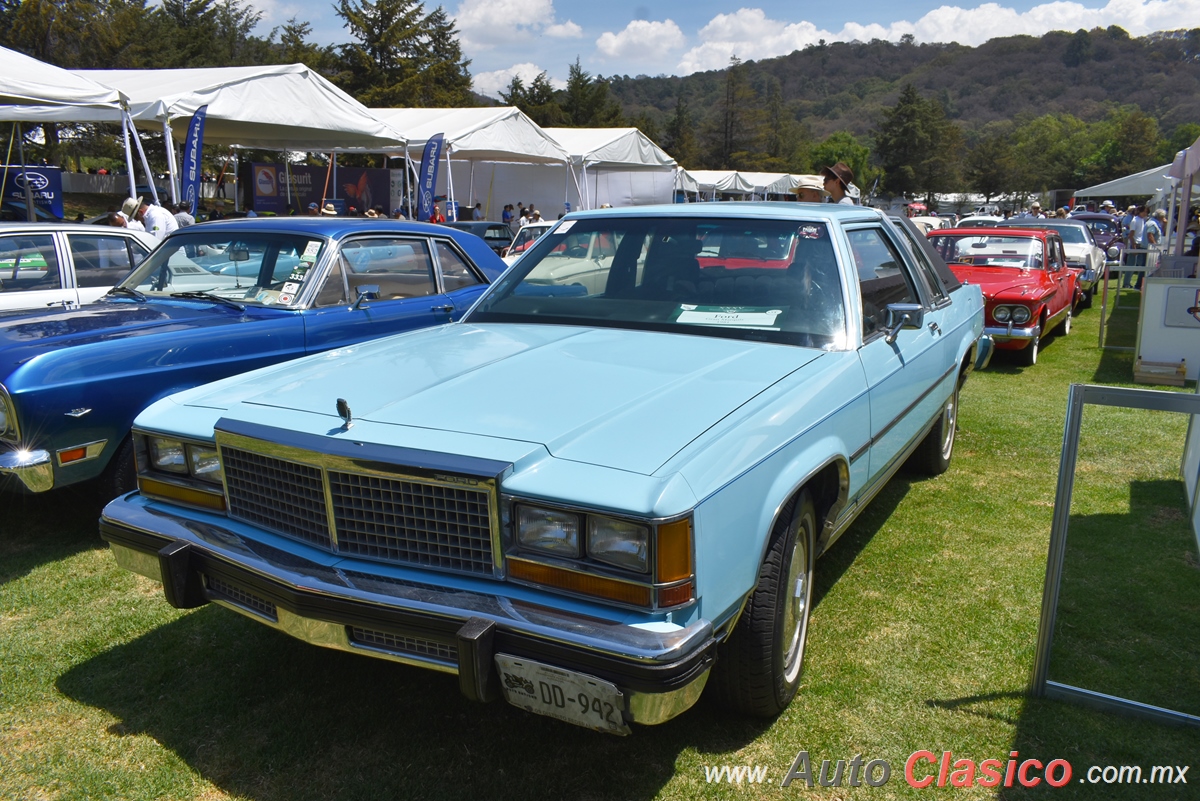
column 503, row 38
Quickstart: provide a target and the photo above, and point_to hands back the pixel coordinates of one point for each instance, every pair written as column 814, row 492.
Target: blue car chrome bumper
column 32, row 468
column 661, row 669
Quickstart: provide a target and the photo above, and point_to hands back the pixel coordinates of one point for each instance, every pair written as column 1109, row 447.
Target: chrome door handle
column 934, row 328
column 447, row 309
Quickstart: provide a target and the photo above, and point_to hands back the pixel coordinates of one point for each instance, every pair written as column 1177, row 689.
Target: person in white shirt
column 130, row 213
column 158, row 221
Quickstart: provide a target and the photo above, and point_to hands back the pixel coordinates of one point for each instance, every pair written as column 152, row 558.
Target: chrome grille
column 406, row 521
column 276, row 494
column 404, row 645
column 242, row 598
column 390, row 518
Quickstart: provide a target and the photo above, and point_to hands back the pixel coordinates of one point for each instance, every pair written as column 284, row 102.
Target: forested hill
column 847, row 86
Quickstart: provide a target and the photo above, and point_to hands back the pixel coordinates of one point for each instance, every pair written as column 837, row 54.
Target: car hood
column 25, row 334
column 1077, row 252
column 628, row 400
column 994, row 281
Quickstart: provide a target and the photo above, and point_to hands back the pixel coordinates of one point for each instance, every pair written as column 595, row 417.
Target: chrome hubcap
column 949, row 421
column 795, row 613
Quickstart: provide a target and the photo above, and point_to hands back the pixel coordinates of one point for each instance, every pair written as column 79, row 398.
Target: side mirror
column 902, row 315
column 366, row 292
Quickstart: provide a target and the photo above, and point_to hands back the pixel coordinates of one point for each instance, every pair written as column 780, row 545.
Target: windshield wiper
column 209, row 296
column 124, row 290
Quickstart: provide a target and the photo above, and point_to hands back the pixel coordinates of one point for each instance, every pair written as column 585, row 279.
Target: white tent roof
column 32, row 90
column 503, row 134
column 285, row 106
column 1146, row 182
column 685, row 181
column 771, row 183
column 610, row 147
column 722, row 181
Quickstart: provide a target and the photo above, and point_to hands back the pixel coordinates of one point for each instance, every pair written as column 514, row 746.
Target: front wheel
column 120, row 476
column 1066, row 326
column 1029, row 353
column 758, row 666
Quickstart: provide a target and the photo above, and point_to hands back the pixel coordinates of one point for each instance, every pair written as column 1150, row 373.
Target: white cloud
column 749, row 34
column 484, row 24
column 641, row 40
column 492, row 83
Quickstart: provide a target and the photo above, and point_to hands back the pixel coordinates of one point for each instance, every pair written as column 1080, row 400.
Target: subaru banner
column 284, row 189
column 427, row 178
column 45, row 184
column 191, row 159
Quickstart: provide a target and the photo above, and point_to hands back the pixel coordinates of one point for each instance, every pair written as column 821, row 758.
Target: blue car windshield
column 249, row 268
column 772, row 280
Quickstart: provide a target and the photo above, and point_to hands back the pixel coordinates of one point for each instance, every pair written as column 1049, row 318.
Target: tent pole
column 287, row 176
column 1170, row 215
column 450, row 190
column 334, row 154
column 137, row 140
column 126, row 124
column 325, row 191
column 172, row 167
column 24, row 179
column 471, row 186
column 237, row 193
column 1185, row 205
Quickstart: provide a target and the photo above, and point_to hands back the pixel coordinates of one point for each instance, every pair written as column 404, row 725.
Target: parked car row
column 593, row 485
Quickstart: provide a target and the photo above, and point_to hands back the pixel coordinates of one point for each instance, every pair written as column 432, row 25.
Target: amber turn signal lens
column 72, row 455
column 582, row 583
column 674, row 561
column 172, row 492
column 673, row 596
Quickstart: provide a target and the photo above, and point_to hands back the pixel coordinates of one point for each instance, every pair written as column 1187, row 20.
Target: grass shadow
column 46, row 527
column 260, row 714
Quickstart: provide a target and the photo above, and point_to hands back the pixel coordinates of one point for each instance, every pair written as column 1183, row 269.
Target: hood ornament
column 343, row 410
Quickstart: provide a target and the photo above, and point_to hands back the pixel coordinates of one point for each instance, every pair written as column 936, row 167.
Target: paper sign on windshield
column 733, row 316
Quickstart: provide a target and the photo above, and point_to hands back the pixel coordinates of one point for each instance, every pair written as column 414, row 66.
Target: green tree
column 679, row 138
column 843, row 146
column 917, row 147
column 586, row 101
column 1078, row 50
column 990, row 167
column 376, row 67
column 294, row 47
column 731, row 129
column 444, row 79
column 536, row 100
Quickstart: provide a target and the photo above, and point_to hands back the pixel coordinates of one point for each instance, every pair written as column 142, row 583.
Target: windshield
column 771, row 280
column 250, row 268
column 990, row 251
column 1102, row 226
column 1073, row 234
column 526, row 237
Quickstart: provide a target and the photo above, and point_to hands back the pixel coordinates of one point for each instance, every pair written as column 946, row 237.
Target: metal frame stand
column 1081, row 394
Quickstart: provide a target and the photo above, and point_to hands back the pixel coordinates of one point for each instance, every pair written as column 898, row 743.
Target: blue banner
column 427, row 178
column 191, row 159
column 45, row 185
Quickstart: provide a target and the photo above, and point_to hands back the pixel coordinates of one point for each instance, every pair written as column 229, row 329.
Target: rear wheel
column 1029, row 353
column 1066, row 325
column 759, row 665
column 932, row 456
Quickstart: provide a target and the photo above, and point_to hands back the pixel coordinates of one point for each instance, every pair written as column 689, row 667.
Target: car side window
column 882, row 276
column 100, row 260
column 401, row 268
column 924, row 265
column 1056, row 261
column 333, row 292
column 28, row 263
column 456, row 273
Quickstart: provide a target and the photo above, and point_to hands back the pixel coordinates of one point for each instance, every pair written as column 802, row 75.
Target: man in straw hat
column 810, row 189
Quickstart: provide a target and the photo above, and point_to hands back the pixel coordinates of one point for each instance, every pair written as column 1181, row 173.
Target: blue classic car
column 589, row 497
column 213, row 300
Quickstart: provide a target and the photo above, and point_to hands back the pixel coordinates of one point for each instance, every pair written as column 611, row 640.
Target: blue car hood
column 628, row 400
column 25, row 334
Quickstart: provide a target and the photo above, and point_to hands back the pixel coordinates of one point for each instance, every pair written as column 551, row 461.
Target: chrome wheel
column 799, row 594
column 949, row 425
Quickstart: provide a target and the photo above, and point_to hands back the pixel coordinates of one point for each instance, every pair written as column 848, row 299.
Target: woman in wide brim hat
column 838, row 180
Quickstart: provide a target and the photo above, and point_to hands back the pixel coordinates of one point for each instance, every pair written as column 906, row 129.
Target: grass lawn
column 922, row 637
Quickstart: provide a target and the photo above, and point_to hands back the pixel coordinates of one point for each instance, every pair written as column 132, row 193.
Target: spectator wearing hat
column 372, row 214
column 183, row 215
column 837, row 182
column 129, row 213
column 398, row 214
column 329, row 210
column 810, row 189
column 314, row 210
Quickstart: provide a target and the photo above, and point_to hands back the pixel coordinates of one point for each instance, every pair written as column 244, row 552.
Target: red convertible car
column 1027, row 287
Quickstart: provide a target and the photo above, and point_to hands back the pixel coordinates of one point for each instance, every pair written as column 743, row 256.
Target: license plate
column 572, row 697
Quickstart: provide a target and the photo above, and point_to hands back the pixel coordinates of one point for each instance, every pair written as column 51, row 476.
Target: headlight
column 204, row 463
column 1000, row 314
column 1020, row 314
column 548, row 531
column 3, row 417
column 167, row 455
column 618, row 543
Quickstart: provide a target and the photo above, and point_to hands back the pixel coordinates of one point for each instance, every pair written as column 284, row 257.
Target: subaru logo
column 37, row 181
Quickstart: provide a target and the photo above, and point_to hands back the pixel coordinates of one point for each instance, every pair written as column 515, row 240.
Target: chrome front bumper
column 34, row 469
column 661, row 669
column 1000, row 333
column 985, row 347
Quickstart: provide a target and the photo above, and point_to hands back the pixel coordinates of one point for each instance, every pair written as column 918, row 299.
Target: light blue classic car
column 589, row 497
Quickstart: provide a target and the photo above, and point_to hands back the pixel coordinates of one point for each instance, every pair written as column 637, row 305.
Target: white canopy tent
column 1146, row 182
column 278, row 107
column 34, row 91
column 617, row 166
column 766, row 184
column 503, row 138
column 1183, row 174
column 721, row 182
